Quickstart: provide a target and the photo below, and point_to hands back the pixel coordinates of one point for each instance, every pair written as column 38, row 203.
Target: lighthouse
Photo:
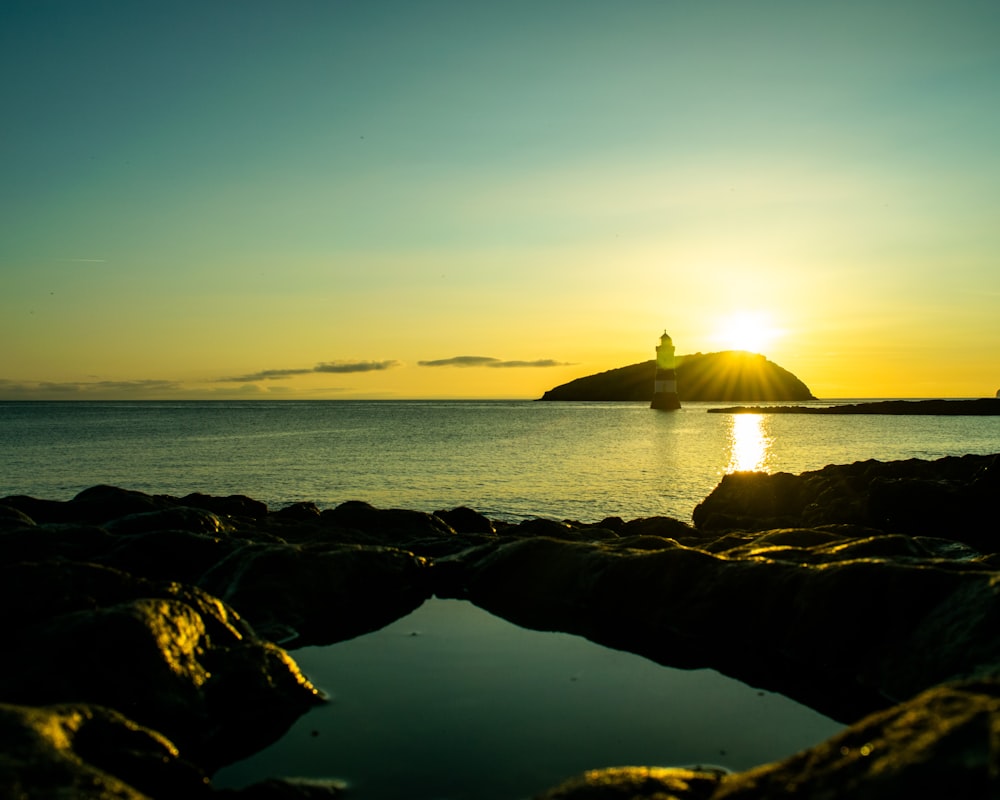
column 665, row 383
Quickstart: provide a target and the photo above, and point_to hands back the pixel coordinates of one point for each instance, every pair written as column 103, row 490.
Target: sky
column 313, row 199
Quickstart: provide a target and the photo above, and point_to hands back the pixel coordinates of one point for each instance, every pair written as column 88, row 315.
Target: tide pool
column 454, row 702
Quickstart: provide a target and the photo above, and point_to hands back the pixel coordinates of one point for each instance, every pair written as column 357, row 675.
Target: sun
column 746, row 330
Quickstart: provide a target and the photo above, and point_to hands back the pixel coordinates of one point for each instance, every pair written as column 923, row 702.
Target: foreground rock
column 148, row 627
column 170, row 657
column 953, row 498
column 84, row 751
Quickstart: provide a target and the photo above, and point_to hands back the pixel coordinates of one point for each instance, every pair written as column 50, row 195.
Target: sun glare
column 746, row 330
column 749, row 443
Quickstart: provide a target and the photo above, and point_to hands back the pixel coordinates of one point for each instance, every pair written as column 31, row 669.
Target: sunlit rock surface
column 149, row 629
column 85, row 751
column 171, row 657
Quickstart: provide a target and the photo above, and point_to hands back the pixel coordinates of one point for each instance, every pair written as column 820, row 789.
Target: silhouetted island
column 986, row 406
column 729, row 375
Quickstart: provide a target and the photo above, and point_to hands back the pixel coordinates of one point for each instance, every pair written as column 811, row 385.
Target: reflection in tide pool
column 750, row 442
column 454, row 702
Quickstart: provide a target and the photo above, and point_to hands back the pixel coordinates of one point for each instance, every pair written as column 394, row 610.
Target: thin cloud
column 266, row 375
column 71, row 389
column 488, row 361
column 541, row 362
column 461, row 361
column 82, row 260
column 354, row 366
column 110, row 386
column 339, row 367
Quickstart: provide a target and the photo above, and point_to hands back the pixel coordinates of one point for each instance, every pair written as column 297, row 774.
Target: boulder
column 11, row 517
column 177, row 518
column 319, row 593
column 952, row 497
column 172, row 657
column 395, row 525
column 90, row 753
column 465, row 520
column 234, row 505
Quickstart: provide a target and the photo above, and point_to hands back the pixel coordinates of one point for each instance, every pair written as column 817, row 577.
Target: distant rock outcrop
column 729, row 375
column 980, row 407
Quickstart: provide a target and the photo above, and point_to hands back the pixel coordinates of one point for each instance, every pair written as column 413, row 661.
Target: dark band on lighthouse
column 665, row 382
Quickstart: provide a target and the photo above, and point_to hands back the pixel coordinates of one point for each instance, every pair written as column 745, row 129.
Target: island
column 730, row 375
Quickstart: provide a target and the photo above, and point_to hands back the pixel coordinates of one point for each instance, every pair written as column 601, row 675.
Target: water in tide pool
column 509, row 460
column 452, row 702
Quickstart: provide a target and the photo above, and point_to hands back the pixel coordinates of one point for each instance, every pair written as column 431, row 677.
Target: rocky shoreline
column 149, row 636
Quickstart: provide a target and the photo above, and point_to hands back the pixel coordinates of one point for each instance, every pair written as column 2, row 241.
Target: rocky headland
column 148, row 636
column 729, row 376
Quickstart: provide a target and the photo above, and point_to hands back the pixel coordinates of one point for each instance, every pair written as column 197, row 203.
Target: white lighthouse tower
column 665, row 383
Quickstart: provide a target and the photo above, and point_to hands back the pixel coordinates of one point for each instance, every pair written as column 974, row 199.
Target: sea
column 451, row 702
column 510, row 460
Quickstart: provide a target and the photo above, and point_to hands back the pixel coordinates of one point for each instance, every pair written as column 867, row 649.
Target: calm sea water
column 510, row 460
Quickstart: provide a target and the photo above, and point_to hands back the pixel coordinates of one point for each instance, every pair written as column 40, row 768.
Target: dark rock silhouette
column 728, row 376
column 976, row 408
column 145, row 626
column 952, row 497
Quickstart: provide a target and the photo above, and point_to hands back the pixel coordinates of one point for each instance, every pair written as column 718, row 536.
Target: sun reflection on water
column 749, row 443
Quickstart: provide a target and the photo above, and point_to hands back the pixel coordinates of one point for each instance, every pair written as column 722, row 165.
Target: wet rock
column 952, row 497
column 179, row 518
column 234, row 505
column 171, row 657
column 664, row 527
column 171, row 555
column 319, row 593
column 308, row 512
column 752, row 501
column 565, row 529
column 54, row 540
column 11, row 517
column 38, row 510
column 390, row 525
column 102, row 503
column 465, row 520
column 85, row 751
column 631, row 783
